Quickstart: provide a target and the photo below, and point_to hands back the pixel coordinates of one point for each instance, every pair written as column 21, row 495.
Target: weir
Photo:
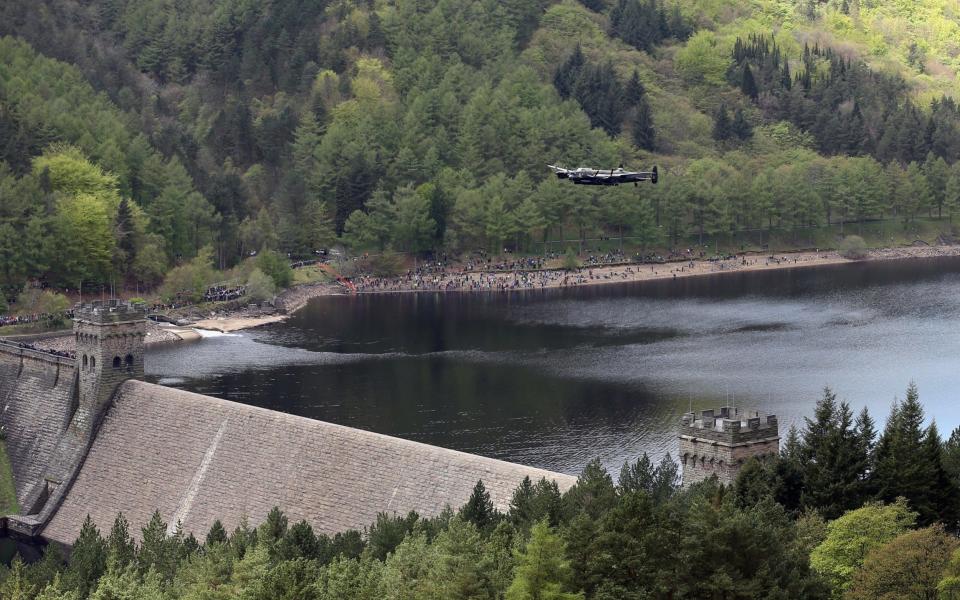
column 85, row 437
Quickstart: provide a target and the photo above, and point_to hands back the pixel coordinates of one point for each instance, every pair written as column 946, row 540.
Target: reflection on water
column 554, row 378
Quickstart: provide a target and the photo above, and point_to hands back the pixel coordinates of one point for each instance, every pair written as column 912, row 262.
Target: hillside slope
column 425, row 125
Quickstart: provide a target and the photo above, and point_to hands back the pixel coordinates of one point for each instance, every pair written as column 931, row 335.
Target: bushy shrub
column 853, row 247
column 277, row 267
column 570, row 260
column 189, row 280
column 34, row 301
column 259, row 286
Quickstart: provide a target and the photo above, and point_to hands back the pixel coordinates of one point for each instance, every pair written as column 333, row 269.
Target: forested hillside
column 134, row 134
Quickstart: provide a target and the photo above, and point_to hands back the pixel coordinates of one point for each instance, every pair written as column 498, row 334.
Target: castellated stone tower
column 719, row 442
column 109, row 351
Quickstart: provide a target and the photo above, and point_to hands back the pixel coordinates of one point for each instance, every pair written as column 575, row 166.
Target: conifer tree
column 217, row 534
column 722, row 129
column 274, row 527
column 121, row 549
column 944, row 493
column 88, row 560
column 542, row 572
column 637, row 476
column 740, row 127
column 634, row 91
column 569, row 72
column 520, row 504
column 904, row 466
column 644, row 135
column 156, row 550
column 479, row 508
column 747, row 83
column 299, row 542
column 17, row 584
column 594, row 492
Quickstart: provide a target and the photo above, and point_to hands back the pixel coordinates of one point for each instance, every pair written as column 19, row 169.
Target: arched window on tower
column 129, row 361
column 116, row 362
column 93, row 363
column 85, row 361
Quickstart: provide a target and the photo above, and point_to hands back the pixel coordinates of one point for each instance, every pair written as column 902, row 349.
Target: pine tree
column 644, row 135
column 479, row 508
column 155, row 549
column 299, row 542
column 636, row 477
column 951, row 456
column 568, row 73
column 722, row 129
column 951, row 193
column 542, row 570
column 740, row 127
column 594, row 492
column 944, row 494
column 274, row 527
column 520, row 503
column 17, row 584
column 747, row 83
column 666, row 480
column 124, row 233
column 121, row 549
column 634, row 92
column 217, row 534
column 88, row 560
column 903, row 464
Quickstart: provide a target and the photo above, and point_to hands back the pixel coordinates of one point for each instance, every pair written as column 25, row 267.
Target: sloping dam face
column 38, row 395
column 197, row 459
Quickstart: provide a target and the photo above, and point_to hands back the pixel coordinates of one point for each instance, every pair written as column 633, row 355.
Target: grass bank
column 8, row 491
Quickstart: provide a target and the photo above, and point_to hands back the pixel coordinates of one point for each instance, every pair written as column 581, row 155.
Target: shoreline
column 523, row 280
column 294, row 299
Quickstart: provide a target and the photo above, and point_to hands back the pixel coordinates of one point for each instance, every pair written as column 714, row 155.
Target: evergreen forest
column 138, row 136
column 842, row 512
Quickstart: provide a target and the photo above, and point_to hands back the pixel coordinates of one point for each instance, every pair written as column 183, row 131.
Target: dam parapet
column 718, row 442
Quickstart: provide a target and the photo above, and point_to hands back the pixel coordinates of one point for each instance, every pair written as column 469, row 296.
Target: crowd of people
column 224, row 293
column 34, row 318
column 26, row 346
column 482, row 274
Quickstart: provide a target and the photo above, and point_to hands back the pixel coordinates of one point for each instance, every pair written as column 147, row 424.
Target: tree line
column 847, row 107
column 841, row 513
column 420, row 127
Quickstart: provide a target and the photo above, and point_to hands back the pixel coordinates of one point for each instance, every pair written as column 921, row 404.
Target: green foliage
column 854, row 535
column 542, row 570
column 189, row 281
column 853, row 247
column 260, row 286
column 35, row 301
column 571, row 261
column 909, row 463
column 479, row 508
column 909, row 566
column 276, row 267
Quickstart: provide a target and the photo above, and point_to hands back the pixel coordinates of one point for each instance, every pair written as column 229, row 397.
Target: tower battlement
column 109, row 339
column 111, row 311
column 718, row 442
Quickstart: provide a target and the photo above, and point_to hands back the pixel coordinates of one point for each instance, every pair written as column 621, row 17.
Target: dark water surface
column 554, row 378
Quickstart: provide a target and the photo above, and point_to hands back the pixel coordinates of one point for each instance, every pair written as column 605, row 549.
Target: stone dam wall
column 38, row 396
column 196, row 459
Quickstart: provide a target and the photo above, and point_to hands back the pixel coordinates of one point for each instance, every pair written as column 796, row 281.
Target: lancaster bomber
column 590, row 176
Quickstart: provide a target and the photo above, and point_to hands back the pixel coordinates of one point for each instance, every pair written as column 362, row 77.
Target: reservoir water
column 555, row 378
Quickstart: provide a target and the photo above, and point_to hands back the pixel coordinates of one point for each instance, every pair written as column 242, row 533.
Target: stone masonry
column 85, row 438
column 109, row 351
column 196, row 459
column 719, row 442
column 37, row 400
